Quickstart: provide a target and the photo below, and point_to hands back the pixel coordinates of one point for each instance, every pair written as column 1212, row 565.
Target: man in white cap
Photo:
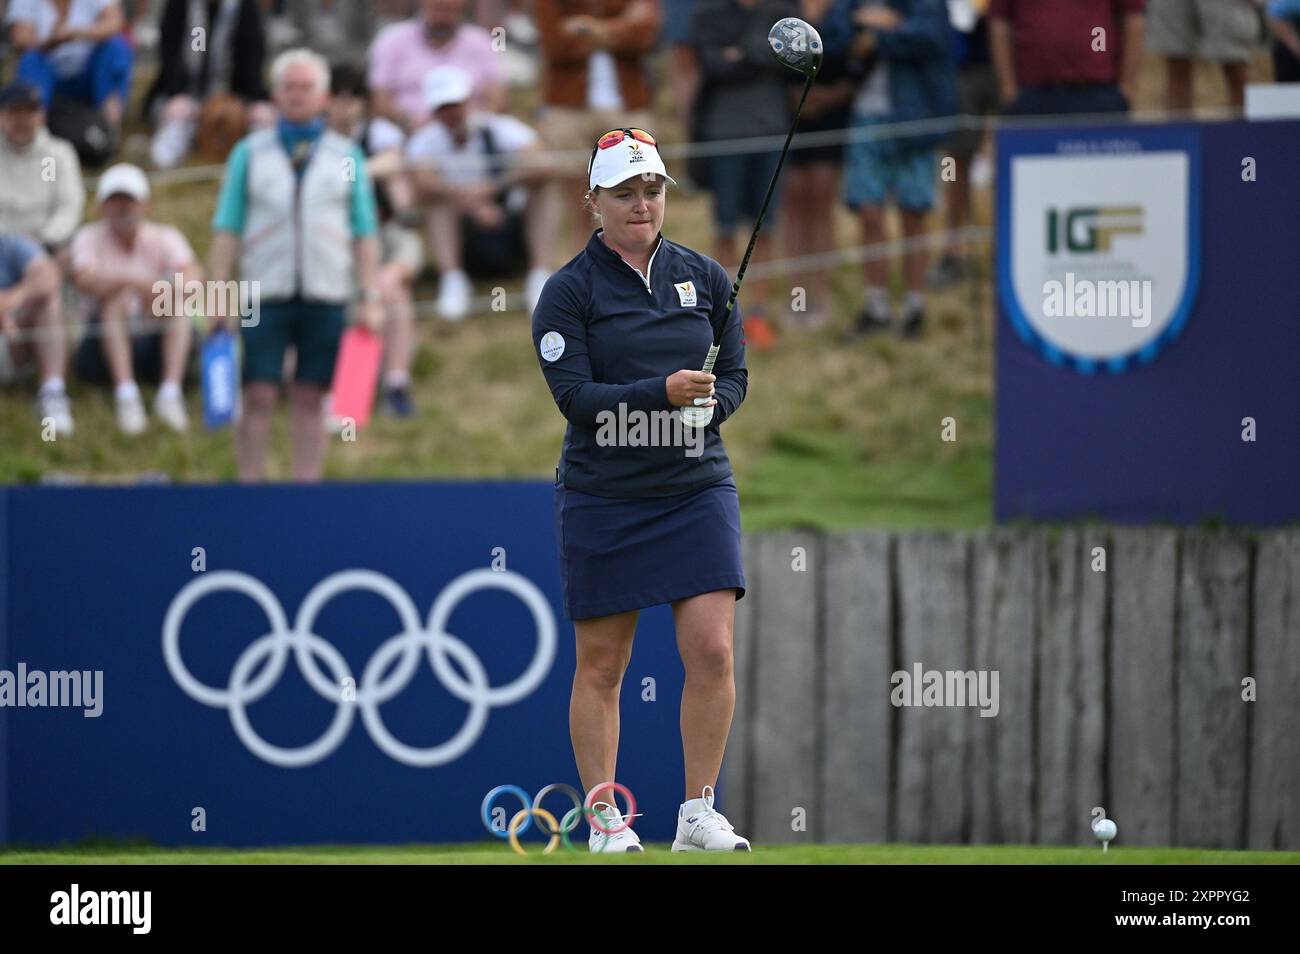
column 127, row 268
column 483, row 180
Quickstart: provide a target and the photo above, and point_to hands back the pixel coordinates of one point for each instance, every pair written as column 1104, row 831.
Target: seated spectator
column 485, row 185
column 907, row 50
column 115, row 265
column 742, row 94
column 404, row 53
column 75, row 49
column 1218, row 31
column 194, row 88
column 595, row 77
column 41, row 198
column 1045, row 65
column 41, row 194
column 402, row 249
column 30, row 318
column 1284, row 24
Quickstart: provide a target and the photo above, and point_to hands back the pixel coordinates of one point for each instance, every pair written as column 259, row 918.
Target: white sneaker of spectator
column 131, row 419
column 169, row 407
column 533, row 286
column 171, row 143
column 454, row 295
column 52, row 405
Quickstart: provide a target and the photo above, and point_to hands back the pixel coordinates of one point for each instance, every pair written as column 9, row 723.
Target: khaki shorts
column 1222, row 31
column 565, row 129
column 402, row 245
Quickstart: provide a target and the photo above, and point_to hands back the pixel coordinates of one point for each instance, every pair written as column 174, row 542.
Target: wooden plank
column 1071, row 690
column 736, row 797
column 856, row 716
column 1006, row 565
column 932, row 787
column 786, row 664
column 1089, row 781
column 1213, row 623
column 1143, row 568
column 1275, row 715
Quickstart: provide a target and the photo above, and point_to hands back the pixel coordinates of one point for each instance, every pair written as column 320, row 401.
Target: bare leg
column 796, row 212
column 443, row 223
column 1178, row 80
column 822, row 201
column 114, row 338
column 45, row 317
column 1234, row 75
column 604, row 646
column 399, row 328
column 957, row 212
column 176, row 347
column 308, row 431
column 254, row 431
column 704, row 639
column 540, row 225
column 916, row 255
column 876, row 268
column 685, row 81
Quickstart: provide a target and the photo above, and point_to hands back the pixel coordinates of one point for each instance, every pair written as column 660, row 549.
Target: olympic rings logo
column 437, row 645
column 558, row 831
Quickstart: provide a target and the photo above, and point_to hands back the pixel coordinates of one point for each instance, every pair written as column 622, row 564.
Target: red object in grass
column 759, row 334
column 356, row 375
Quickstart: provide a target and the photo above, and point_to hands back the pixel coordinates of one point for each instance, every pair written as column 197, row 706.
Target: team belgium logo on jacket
column 686, row 292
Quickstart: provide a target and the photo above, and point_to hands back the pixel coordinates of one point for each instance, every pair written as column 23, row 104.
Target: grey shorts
column 404, row 245
column 1222, row 31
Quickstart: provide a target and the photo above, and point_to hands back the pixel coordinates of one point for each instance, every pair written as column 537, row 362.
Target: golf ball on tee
column 1104, row 829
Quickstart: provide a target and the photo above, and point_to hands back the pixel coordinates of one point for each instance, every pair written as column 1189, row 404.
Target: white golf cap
column 444, row 85
column 123, row 179
column 622, row 161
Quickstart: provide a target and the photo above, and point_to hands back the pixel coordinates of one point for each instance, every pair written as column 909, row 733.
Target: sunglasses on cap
column 615, row 136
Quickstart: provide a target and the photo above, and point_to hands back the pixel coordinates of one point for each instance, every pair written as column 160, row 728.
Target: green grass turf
column 487, row 854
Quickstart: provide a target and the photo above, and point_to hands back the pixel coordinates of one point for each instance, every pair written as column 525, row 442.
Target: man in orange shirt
column 595, row 76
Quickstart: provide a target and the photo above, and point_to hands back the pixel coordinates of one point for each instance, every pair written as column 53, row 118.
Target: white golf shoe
column 702, row 828
column 620, row 841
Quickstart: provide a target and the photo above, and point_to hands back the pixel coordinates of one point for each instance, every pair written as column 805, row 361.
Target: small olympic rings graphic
column 386, row 673
column 557, row 831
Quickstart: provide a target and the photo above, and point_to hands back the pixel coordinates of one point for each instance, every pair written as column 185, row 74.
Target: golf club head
column 796, row 44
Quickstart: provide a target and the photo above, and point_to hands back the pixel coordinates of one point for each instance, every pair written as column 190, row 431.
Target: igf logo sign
column 1091, row 228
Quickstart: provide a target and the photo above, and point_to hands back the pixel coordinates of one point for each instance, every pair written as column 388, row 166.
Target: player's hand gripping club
column 691, row 389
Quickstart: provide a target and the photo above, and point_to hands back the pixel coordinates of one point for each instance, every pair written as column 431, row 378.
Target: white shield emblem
column 1100, row 255
column 686, row 292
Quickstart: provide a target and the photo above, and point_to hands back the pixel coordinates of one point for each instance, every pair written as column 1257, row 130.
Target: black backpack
column 82, row 125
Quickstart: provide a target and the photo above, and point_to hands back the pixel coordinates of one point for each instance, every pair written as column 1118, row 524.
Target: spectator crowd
column 364, row 143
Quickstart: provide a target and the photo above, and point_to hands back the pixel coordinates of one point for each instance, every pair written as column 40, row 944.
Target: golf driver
column 797, row 45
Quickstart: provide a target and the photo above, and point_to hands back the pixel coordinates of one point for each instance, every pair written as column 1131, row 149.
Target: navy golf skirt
column 625, row 553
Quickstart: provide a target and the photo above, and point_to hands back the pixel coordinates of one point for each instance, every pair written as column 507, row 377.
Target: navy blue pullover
column 618, row 341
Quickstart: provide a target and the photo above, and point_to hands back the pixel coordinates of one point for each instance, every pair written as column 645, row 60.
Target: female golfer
column 646, row 510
